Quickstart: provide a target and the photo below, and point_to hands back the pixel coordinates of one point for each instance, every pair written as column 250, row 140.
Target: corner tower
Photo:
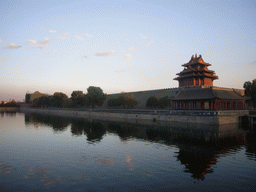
column 196, row 73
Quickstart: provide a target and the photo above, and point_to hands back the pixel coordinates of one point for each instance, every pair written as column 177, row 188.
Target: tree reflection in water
column 124, row 131
column 58, row 124
column 94, row 130
column 251, row 145
column 199, row 149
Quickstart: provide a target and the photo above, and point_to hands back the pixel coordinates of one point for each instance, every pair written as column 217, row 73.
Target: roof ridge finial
column 196, row 55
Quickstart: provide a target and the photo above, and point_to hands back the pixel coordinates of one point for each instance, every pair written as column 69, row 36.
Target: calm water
column 43, row 153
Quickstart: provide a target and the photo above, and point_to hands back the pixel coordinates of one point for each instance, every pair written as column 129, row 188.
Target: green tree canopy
column 164, row 102
column 114, row 102
column 128, row 100
column 43, row 101
column 77, row 98
column 60, row 99
column 152, row 102
column 95, row 96
column 250, row 91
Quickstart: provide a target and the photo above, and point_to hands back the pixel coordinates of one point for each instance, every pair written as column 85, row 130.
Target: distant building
column 195, row 91
column 29, row 98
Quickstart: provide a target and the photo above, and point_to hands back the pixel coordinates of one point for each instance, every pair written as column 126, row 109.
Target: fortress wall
column 221, row 117
column 142, row 96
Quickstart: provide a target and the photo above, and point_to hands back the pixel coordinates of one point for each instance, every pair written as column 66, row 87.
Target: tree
column 114, row 102
column 128, row 100
column 164, row 102
column 42, row 101
column 152, row 102
column 60, row 99
column 77, row 98
column 250, row 91
column 94, row 96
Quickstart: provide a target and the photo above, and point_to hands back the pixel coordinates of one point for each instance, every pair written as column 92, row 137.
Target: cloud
column 149, row 42
column 31, row 41
column 52, row 31
column 1, row 41
column 142, row 36
column 131, row 49
column 12, row 46
column 88, row 35
column 128, row 56
column 61, row 37
column 105, row 53
column 84, row 56
column 78, row 37
column 43, row 43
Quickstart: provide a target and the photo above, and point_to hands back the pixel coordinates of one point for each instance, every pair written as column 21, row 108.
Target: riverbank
column 9, row 109
column 136, row 116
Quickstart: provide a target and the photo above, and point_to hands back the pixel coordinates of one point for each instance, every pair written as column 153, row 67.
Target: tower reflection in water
column 200, row 145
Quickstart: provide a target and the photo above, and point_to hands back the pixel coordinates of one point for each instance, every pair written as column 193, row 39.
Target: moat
column 48, row 153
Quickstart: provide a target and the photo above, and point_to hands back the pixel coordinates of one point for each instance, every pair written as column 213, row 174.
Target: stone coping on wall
column 159, row 112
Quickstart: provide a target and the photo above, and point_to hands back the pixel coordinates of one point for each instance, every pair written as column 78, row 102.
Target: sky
column 121, row 46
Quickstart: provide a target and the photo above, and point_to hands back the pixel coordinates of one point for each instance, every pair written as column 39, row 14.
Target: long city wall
column 216, row 117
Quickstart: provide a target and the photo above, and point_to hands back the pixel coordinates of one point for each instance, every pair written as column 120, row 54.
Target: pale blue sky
column 62, row 46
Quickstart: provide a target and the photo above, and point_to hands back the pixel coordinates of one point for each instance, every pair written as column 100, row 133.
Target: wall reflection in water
column 8, row 113
column 200, row 146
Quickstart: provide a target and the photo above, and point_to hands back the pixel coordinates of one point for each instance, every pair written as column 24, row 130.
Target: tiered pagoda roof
column 196, row 68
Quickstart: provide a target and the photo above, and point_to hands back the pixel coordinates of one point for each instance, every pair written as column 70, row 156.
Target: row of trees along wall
column 96, row 97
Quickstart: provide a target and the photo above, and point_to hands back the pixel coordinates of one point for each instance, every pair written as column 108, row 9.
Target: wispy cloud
column 52, row 31
column 88, row 35
column 131, row 49
column 12, row 46
column 128, row 56
column 143, row 36
column 149, row 42
column 105, row 53
column 31, row 41
column 63, row 37
column 1, row 41
column 44, row 43
column 78, row 37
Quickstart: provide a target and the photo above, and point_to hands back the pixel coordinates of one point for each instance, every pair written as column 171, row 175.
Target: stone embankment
column 201, row 117
column 9, row 109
